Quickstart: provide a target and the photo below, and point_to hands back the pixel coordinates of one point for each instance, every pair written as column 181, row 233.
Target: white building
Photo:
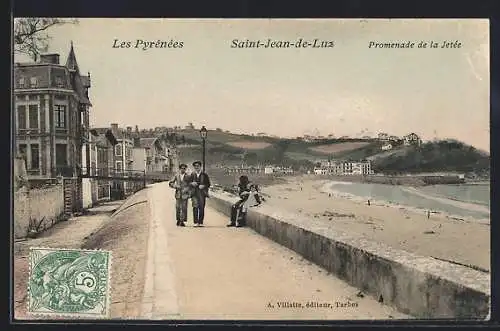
column 345, row 168
column 412, row 139
column 268, row 170
column 151, row 155
column 383, row 136
column 320, row 171
column 386, row 147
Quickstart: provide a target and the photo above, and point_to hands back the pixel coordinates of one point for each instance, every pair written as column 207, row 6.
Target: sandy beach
column 464, row 241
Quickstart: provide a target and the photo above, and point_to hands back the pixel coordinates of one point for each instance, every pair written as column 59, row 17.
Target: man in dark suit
column 182, row 184
column 200, row 183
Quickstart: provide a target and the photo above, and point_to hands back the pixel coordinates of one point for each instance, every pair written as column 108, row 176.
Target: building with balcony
column 152, row 155
column 121, row 156
column 98, row 162
column 51, row 115
column 344, row 168
column 412, row 139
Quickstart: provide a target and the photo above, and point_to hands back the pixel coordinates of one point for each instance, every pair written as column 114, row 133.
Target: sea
column 459, row 201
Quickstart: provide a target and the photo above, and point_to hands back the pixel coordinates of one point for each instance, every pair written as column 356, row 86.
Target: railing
column 64, row 171
column 121, row 174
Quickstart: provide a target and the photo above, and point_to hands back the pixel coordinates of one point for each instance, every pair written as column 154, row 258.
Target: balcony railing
column 26, row 131
column 64, row 171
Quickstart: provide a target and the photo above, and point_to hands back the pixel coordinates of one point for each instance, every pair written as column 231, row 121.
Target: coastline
column 440, row 236
column 325, row 187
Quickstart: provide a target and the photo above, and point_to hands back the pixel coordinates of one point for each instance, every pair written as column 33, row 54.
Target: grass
column 360, row 153
column 339, row 147
column 245, row 144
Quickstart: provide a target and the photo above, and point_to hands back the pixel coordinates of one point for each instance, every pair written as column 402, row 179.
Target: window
column 59, row 81
column 35, row 156
column 33, row 116
column 61, row 155
column 119, row 166
column 118, row 150
column 60, row 116
column 21, row 117
column 33, row 82
column 21, row 82
column 23, row 151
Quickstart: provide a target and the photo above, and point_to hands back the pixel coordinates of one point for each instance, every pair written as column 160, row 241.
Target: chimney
column 137, row 142
column 49, row 58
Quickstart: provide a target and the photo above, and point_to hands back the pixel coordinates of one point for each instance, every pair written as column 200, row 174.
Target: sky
column 348, row 89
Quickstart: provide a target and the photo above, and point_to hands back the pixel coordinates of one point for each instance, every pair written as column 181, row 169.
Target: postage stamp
column 69, row 282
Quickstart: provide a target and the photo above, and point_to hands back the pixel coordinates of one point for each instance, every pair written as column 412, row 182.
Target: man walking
column 200, row 183
column 181, row 182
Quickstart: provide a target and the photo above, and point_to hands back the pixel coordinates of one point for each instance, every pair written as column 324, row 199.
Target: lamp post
column 203, row 134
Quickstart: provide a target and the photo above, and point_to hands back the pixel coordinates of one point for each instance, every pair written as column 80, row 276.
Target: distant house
column 283, row 170
column 122, row 159
column 268, row 170
column 151, row 155
column 361, row 168
column 320, row 171
column 383, row 136
column 387, row 147
column 412, row 139
column 101, row 163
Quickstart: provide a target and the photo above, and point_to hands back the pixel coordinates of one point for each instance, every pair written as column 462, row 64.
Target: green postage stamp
column 69, row 282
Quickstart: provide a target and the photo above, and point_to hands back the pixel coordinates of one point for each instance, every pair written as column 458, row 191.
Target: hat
column 183, row 165
column 196, row 163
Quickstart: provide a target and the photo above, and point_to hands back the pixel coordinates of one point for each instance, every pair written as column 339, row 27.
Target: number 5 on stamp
column 69, row 282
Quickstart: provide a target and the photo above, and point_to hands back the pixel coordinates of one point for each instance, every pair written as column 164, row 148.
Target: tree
column 30, row 34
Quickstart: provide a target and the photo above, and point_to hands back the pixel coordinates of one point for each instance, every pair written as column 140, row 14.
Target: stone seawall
column 419, row 286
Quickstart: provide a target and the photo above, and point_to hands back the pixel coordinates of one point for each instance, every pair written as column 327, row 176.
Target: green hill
column 231, row 149
column 445, row 155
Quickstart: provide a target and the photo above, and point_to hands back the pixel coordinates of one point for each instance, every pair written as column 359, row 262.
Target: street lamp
column 203, row 135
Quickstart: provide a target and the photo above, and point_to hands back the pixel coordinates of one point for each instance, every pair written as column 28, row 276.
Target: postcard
column 264, row 169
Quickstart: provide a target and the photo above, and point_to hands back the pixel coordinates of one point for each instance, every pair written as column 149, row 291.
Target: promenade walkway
column 215, row 272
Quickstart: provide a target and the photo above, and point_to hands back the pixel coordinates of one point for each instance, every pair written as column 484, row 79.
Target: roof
column 147, row 142
column 71, row 62
column 76, row 79
column 99, row 136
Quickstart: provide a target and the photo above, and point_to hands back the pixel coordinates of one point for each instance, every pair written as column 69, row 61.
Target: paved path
column 217, row 272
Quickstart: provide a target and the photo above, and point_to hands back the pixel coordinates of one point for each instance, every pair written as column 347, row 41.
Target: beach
column 463, row 240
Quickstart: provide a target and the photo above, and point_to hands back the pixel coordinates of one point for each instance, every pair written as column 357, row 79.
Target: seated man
column 249, row 197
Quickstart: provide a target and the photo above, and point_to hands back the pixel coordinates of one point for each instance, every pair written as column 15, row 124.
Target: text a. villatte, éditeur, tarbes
column 314, row 304
column 271, row 43
column 147, row 44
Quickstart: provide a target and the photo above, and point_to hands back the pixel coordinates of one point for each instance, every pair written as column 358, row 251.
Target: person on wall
column 249, row 197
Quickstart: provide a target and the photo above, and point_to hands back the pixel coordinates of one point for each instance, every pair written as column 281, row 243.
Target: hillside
column 232, row 149
column 445, row 155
